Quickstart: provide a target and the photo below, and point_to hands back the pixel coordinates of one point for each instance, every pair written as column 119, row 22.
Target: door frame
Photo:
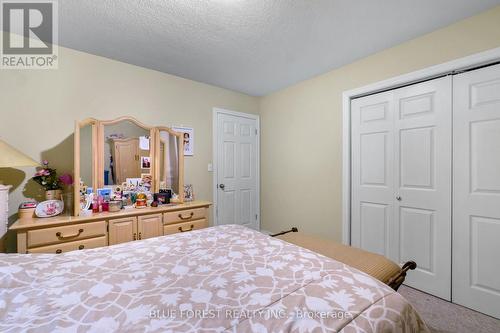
column 448, row 68
column 215, row 113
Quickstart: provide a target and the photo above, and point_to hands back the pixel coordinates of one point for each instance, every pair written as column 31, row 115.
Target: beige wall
column 301, row 157
column 301, row 125
column 38, row 110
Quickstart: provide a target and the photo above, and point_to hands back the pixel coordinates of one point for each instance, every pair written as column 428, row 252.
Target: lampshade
column 11, row 157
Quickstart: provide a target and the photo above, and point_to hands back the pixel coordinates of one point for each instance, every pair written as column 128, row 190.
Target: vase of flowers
column 47, row 178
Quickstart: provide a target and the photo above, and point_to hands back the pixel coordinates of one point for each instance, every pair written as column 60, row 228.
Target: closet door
column 401, row 180
column 476, row 212
column 422, row 207
column 372, row 138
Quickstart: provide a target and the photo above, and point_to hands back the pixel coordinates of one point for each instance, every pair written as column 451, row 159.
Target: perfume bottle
column 95, row 205
column 105, row 204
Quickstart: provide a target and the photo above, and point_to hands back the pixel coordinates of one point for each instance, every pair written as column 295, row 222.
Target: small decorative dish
column 49, row 208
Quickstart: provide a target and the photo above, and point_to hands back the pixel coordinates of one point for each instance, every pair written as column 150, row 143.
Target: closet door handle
column 398, row 198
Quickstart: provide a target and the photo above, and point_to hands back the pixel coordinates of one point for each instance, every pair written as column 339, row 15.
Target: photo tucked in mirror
column 127, row 153
column 169, row 161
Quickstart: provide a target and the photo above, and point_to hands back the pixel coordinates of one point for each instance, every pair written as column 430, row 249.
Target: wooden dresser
column 68, row 233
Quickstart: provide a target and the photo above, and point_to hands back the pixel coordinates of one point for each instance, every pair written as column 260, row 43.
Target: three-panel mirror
column 123, row 157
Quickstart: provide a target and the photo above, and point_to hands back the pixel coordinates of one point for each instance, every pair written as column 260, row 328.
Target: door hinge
column 256, row 216
column 217, row 211
column 256, row 132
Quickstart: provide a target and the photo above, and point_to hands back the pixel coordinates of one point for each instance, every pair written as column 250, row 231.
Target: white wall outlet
column 210, row 167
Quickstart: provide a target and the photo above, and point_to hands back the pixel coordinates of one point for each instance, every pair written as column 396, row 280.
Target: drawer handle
column 135, row 236
column 186, row 218
column 81, row 247
column 191, row 228
column 140, row 235
column 58, row 251
column 61, row 236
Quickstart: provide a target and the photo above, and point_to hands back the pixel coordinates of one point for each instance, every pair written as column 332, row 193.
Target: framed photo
column 188, row 137
column 146, row 180
column 188, row 192
column 145, row 162
column 162, row 198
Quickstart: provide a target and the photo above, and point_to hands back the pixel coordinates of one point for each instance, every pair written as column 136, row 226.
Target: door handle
column 398, row 198
column 222, row 186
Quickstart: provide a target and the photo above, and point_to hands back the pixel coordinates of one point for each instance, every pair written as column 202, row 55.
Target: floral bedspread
column 220, row 279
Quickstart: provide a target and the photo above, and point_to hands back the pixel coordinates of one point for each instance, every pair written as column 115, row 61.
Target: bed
column 220, row 279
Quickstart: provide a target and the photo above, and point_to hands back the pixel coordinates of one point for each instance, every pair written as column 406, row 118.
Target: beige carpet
column 445, row 317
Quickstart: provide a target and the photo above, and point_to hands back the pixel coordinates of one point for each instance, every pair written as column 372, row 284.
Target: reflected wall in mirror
column 127, row 152
column 169, row 165
column 86, row 155
column 85, row 160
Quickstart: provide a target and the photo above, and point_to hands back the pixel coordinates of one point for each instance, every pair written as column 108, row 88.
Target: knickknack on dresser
column 124, row 160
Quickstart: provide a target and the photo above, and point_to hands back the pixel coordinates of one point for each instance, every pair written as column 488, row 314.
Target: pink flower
column 42, row 172
column 66, row 179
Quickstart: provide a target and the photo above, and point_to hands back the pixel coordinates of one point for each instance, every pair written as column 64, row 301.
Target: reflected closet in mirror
column 125, row 152
column 120, row 160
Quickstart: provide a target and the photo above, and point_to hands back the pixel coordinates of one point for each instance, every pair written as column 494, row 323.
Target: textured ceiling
column 251, row 46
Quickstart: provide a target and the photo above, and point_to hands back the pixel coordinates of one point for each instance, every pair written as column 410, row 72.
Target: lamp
column 9, row 157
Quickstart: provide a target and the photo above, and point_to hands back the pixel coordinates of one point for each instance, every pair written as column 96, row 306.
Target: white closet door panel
column 372, row 172
column 476, row 212
column 422, row 211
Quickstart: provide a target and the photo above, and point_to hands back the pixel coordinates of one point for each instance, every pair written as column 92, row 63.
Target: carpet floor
column 445, row 317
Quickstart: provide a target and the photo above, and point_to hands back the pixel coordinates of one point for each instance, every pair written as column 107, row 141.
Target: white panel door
column 401, row 180
column 476, row 212
column 423, row 166
column 237, row 167
column 372, row 172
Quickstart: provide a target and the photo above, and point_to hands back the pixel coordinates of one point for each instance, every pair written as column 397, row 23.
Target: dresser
column 69, row 233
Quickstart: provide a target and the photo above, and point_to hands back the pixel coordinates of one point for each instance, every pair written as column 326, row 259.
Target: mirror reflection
column 169, row 161
column 86, row 156
column 127, row 153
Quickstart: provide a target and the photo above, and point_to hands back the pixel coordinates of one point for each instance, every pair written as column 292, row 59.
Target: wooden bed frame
column 387, row 271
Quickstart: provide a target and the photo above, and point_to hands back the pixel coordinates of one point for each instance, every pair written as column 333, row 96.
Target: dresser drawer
column 66, row 233
column 184, row 215
column 71, row 246
column 184, row 226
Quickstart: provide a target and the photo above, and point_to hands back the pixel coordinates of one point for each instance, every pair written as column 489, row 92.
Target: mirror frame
column 76, row 179
column 180, row 145
column 98, row 155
